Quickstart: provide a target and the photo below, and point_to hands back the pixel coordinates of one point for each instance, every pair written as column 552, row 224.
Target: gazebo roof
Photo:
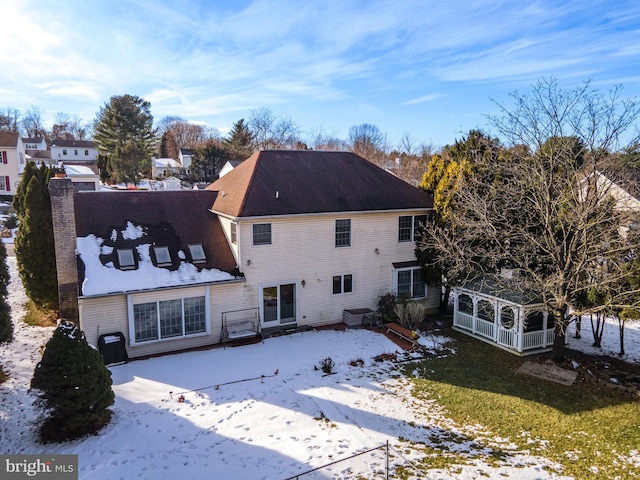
column 500, row 290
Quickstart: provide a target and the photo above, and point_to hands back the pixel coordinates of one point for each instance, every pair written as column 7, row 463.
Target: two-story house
column 12, row 159
column 288, row 239
column 35, row 144
column 73, row 151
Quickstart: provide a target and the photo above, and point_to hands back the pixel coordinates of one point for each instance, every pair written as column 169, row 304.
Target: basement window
column 197, row 253
column 125, row 259
column 163, row 259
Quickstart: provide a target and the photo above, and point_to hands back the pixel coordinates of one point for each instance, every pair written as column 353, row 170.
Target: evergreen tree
column 6, row 327
column 104, row 167
column 130, row 163
column 34, row 245
column 238, row 143
column 74, row 386
column 124, row 127
column 208, row 161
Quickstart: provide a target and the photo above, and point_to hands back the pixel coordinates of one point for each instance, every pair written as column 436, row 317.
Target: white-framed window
column 409, row 226
column 197, row 253
column 234, row 233
column 64, row 151
column 75, row 152
column 86, row 153
column 262, row 234
column 163, row 258
column 167, row 319
column 342, row 284
column 409, row 282
column 343, row 232
column 126, row 260
column 3, row 183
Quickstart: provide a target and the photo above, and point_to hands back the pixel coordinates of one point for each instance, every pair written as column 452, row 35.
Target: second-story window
column 409, row 227
column 86, row 153
column 75, row 152
column 262, row 234
column 234, row 233
column 343, row 233
column 64, row 151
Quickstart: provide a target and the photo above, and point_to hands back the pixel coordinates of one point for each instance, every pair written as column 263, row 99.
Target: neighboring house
column 84, row 177
column 12, row 160
column 165, row 167
column 227, row 167
column 185, row 156
column 73, row 151
column 34, row 144
column 287, row 239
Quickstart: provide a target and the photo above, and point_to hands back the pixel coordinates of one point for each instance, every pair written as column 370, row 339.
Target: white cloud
column 424, row 98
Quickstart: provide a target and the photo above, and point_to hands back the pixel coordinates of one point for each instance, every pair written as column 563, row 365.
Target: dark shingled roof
column 176, row 219
column 288, row 182
column 72, row 143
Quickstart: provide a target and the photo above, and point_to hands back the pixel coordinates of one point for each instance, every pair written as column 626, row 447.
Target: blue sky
column 424, row 68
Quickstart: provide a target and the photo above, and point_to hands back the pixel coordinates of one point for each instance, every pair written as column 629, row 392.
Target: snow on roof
column 78, row 170
column 102, row 279
column 166, row 163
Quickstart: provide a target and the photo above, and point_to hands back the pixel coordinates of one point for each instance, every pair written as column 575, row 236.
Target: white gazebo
column 502, row 317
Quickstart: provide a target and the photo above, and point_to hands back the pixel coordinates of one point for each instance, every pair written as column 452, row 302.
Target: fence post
column 387, row 460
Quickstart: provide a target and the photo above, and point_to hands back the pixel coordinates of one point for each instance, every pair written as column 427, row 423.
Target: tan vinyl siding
column 303, row 248
column 110, row 314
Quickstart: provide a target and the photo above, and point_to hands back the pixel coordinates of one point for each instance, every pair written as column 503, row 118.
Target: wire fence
column 375, row 463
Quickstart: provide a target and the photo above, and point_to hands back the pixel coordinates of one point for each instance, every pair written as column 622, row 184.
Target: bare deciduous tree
column 369, row 142
column 538, row 209
column 269, row 132
column 32, row 123
column 9, row 119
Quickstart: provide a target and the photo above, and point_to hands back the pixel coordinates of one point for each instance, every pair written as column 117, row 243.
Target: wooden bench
column 403, row 333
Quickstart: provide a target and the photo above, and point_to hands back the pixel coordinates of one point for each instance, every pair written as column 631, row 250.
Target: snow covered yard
column 192, row 416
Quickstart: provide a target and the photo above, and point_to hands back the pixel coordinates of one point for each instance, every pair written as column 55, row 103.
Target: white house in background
column 74, row 151
column 165, row 167
column 34, row 144
column 12, row 160
column 227, row 167
column 185, row 156
column 286, row 240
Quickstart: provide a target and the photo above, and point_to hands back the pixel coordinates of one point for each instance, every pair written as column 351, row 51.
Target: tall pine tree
column 73, row 385
column 6, row 327
column 238, row 143
column 34, row 245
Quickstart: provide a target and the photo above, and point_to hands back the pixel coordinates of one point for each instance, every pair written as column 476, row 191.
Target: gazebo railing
column 463, row 320
column 485, row 328
column 508, row 338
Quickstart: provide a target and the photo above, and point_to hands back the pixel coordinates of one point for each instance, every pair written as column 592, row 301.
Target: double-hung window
column 409, row 227
column 410, row 283
column 343, row 233
column 262, row 234
column 342, row 284
column 165, row 319
column 234, row 233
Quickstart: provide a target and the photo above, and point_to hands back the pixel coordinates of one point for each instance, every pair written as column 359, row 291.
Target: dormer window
column 163, row 259
column 125, row 259
column 197, row 253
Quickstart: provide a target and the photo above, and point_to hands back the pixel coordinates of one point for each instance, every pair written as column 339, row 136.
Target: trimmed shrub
column 73, row 386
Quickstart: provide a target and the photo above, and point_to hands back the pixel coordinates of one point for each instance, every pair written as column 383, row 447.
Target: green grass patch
column 40, row 317
column 590, row 431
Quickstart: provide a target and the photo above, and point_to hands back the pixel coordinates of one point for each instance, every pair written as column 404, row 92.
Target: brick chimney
column 64, row 234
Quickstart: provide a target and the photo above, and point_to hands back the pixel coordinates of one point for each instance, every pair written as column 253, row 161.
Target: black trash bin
column 112, row 348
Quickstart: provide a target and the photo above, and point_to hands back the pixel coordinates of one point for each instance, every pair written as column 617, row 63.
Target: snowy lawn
column 261, row 411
